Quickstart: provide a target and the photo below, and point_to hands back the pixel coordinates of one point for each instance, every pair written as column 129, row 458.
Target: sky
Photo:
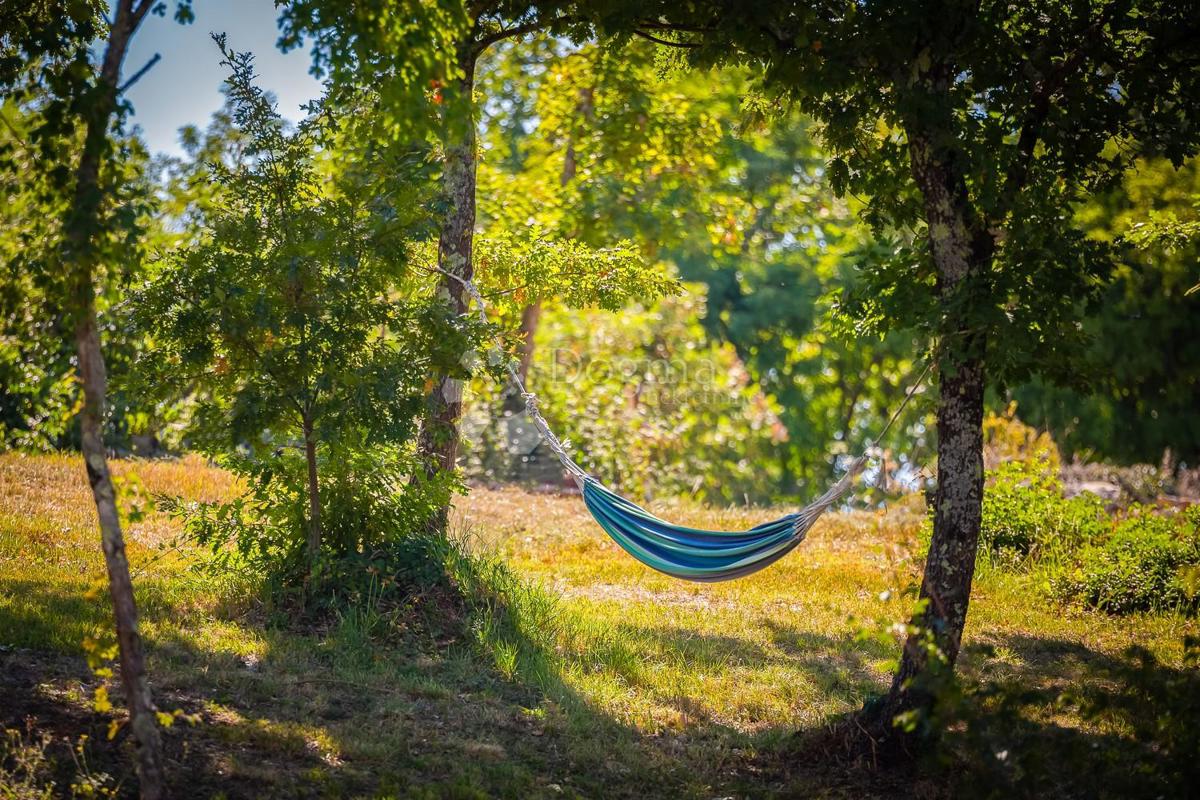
column 184, row 87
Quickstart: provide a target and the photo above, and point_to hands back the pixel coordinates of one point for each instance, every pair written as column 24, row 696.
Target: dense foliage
column 648, row 402
column 1028, row 108
column 1127, row 406
column 38, row 390
column 601, row 141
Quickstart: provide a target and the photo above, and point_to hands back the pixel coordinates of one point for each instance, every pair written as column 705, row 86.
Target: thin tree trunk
column 514, row 403
column 438, row 442
column 530, row 317
column 960, row 252
column 79, row 258
column 120, row 585
column 314, row 494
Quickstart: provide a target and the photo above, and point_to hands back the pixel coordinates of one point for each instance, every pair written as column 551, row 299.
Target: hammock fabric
column 699, row 555
column 687, row 553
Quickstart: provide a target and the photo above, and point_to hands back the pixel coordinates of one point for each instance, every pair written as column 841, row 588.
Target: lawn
column 578, row 672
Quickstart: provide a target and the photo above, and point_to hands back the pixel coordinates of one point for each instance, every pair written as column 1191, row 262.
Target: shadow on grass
column 835, row 665
column 343, row 713
column 494, row 711
column 1132, row 730
column 55, row 616
column 1050, row 718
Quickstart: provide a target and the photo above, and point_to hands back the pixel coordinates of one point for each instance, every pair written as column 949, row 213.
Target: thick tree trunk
column 314, row 494
column 950, row 563
column 439, row 433
column 960, row 253
column 79, row 258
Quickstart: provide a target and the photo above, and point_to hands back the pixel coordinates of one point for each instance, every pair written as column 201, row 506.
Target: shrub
column 376, row 506
column 1151, row 562
column 1025, row 513
column 24, row 767
column 304, row 327
column 1006, row 438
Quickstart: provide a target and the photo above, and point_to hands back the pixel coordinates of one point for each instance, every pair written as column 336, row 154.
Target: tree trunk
column 514, row 403
column 79, row 258
column 529, row 324
column 950, row 563
column 314, row 495
column 439, row 434
column 120, row 586
column 960, row 252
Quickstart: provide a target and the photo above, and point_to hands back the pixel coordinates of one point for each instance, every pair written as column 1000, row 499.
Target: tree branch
column 490, row 39
column 659, row 25
column 665, row 42
column 141, row 11
column 137, row 75
column 1017, row 175
column 114, row 52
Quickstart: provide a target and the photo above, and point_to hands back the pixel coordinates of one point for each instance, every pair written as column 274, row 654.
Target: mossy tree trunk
column 961, row 250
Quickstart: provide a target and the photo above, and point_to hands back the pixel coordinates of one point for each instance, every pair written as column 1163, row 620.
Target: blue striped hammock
column 691, row 554
column 700, row 555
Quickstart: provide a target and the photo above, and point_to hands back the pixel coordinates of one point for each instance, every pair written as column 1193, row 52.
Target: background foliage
column 606, row 175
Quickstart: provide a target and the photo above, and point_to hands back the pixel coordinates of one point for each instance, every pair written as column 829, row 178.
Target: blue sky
column 185, row 86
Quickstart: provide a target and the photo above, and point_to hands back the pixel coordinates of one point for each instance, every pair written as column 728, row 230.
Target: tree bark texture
column 960, row 252
column 80, row 257
column 439, row 433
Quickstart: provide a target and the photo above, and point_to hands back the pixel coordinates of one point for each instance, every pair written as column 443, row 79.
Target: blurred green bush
column 1150, row 562
column 1144, row 558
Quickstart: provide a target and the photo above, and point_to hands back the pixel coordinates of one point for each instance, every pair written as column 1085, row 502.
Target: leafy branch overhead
column 537, row 269
column 1168, row 232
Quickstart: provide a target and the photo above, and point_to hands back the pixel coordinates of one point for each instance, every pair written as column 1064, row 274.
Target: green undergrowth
column 1137, row 559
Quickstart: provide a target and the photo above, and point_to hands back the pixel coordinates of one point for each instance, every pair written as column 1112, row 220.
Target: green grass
column 575, row 672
